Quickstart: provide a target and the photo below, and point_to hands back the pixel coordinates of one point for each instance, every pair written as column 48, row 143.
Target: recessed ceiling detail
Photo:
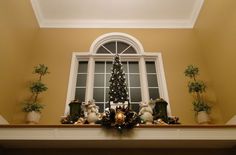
column 116, row 13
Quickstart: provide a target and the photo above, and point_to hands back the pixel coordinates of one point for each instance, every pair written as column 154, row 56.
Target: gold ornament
column 120, row 117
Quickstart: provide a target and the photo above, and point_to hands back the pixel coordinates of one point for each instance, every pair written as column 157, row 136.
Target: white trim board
column 96, row 137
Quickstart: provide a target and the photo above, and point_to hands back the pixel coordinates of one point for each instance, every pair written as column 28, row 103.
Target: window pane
column 135, row 94
column 106, row 105
column 108, row 67
column 133, row 67
column 130, row 50
column 102, row 50
column 107, row 94
column 82, row 67
column 124, row 63
column 108, row 76
column 100, row 106
column 126, row 79
column 152, row 80
column 111, row 46
column 134, row 80
column 135, row 107
column 80, row 94
column 99, row 80
column 121, row 46
column 98, row 94
column 154, row 93
column 99, row 67
column 150, row 66
column 81, row 80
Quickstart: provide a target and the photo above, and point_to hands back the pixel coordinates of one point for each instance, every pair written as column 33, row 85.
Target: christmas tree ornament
column 120, row 117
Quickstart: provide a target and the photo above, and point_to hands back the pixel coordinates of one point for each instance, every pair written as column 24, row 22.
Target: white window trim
column 92, row 56
column 77, row 56
column 123, row 37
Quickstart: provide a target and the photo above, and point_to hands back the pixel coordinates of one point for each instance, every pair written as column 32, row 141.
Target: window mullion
column 127, row 63
column 143, row 80
column 125, row 49
column 107, row 49
column 90, row 80
column 104, row 87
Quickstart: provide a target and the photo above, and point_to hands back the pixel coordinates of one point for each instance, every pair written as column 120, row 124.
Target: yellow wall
column 216, row 29
column 23, row 46
column 179, row 48
column 17, row 29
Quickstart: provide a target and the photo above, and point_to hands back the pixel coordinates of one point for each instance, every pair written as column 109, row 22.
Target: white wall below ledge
column 87, row 136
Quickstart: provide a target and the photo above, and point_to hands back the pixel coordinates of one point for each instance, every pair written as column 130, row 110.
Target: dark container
column 75, row 110
column 160, row 110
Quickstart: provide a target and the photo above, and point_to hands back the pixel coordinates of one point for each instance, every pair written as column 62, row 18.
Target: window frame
column 92, row 57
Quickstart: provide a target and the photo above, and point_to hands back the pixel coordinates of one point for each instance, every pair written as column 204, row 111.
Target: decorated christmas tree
column 118, row 91
column 119, row 115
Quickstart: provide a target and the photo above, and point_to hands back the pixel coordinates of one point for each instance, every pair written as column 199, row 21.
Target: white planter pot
column 203, row 117
column 33, row 117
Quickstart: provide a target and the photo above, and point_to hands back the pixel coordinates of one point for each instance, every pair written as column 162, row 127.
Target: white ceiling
column 117, row 13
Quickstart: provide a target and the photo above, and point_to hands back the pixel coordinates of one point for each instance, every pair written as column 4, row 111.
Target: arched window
column 90, row 72
column 116, row 47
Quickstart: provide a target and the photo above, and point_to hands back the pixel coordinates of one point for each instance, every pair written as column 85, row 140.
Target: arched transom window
column 90, row 72
column 116, row 47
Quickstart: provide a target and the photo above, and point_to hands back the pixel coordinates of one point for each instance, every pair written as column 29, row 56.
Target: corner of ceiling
column 196, row 11
column 37, row 12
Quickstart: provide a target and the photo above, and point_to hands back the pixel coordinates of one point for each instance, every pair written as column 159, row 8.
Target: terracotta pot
column 203, row 117
column 33, row 117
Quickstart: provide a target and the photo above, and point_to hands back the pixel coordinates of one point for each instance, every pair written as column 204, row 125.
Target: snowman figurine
column 91, row 111
column 145, row 113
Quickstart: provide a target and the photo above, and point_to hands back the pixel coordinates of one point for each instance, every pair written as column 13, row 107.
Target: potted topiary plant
column 197, row 88
column 32, row 106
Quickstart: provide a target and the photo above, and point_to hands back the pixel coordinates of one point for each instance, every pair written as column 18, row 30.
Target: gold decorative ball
column 120, row 118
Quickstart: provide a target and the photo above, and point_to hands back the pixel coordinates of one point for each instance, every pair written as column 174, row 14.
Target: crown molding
column 178, row 24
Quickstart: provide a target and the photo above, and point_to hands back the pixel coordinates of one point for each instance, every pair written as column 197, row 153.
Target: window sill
column 93, row 136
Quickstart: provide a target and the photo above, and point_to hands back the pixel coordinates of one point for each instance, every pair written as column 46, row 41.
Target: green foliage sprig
column 196, row 88
column 32, row 106
column 201, row 106
column 36, row 88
